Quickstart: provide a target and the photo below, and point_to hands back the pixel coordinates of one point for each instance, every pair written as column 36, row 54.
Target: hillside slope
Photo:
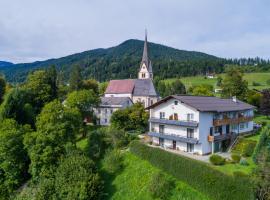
column 5, row 64
column 123, row 61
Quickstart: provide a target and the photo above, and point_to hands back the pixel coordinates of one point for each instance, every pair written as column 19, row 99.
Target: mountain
column 123, row 61
column 5, row 64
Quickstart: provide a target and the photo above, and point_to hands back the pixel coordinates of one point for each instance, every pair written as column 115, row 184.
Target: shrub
column 264, row 138
column 113, row 161
column 217, row 160
column 160, row 187
column 244, row 162
column 248, row 148
column 238, row 174
column 268, row 82
column 199, row 175
column 255, row 83
column 236, row 158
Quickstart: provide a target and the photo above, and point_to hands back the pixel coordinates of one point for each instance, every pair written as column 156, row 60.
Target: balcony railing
column 174, row 137
column 214, row 138
column 220, row 122
column 174, row 122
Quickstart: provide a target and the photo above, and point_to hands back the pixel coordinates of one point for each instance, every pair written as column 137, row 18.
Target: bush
column 160, row 187
column 236, row 158
column 268, row 82
column 113, row 161
column 248, row 148
column 199, row 175
column 238, row 174
column 244, row 162
column 264, row 138
column 217, row 160
column 255, row 83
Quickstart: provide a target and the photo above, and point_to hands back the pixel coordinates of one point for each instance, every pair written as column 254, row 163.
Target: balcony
column 220, row 122
column 215, row 138
column 174, row 122
column 174, row 137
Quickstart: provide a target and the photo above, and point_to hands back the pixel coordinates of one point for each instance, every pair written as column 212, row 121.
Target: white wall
column 144, row 71
column 119, row 95
column 206, row 122
column 146, row 100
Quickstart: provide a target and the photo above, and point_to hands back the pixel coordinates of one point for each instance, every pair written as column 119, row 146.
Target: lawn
column 260, row 78
column 133, row 181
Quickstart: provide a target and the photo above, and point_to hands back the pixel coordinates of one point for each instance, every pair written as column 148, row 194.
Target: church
column 123, row 93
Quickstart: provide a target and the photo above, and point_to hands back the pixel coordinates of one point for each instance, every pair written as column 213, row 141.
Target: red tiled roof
column 120, row 86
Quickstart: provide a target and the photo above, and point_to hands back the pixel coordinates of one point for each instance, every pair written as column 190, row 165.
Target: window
column 175, row 116
column 246, row 125
column 106, row 111
column 190, row 133
column 211, row 131
column 190, row 117
column 111, row 111
column 190, row 147
column 242, row 126
column 105, row 120
column 161, row 129
column 162, row 115
column 175, row 102
column 151, row 102
column 98, row 111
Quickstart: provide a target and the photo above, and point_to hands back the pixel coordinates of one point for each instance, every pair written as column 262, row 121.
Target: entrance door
column 174, row 144
column 190, row 133
column 190, row 147
column 161, row 142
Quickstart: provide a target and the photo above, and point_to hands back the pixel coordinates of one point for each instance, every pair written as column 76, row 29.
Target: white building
column 198, row 124
column 108, row 106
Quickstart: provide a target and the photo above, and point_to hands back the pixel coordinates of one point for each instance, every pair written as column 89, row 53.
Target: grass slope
column 132, row 182
column 260, row 78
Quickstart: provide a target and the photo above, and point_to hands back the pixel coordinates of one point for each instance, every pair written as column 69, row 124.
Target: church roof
column 120, row 86
column 136, row 87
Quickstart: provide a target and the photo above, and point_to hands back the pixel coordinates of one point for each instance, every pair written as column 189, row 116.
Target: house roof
column 208, row 104
column 120, row 86
column 110, row 101
column 144, row 87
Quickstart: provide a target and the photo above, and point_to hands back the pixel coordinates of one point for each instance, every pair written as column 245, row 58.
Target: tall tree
column 13, row 157
column 265, row 102
column 75, row 81
column 233, row 84
column 18, row 105
column 56, row 127
column 91, row 84
column 2, row 88
column 53, row 80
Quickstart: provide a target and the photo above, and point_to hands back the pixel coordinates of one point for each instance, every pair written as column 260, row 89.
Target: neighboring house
column 139, row 90
column 109, row 105
column 198, row 124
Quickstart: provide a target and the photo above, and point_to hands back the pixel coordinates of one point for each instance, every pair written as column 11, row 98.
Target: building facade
column 108, row 106
column 196, row 124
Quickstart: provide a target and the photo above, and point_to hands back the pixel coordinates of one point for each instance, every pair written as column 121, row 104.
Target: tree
column 13, row 157
column 254, row 98
column 265, row 102
column 131, row 118
column 91, row 84
column 76, row 178
column 83, row 100
column 102, row 87
column 39, row 84
column 219, row 81
column 75, row 81
column 2, row 88
column 18, row 105
column 53, row 80
column 177, row 87
column 56, row 128
column 202, row 90
column 233, row 84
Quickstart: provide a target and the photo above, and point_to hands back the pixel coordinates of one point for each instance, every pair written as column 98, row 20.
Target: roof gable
column 120, row 86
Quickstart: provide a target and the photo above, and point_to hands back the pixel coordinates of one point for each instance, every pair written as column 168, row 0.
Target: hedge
column 264, row 139
column 199, row 175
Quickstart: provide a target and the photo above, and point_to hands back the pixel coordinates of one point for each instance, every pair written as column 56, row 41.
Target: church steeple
column 146, row 65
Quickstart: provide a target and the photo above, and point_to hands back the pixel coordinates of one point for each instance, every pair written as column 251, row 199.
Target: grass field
column 132, row 183
column 260, row 78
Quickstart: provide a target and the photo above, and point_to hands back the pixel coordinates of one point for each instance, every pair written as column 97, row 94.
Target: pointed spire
column 145, row 50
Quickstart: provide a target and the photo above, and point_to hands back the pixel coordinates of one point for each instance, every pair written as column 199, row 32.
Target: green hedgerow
column 217, row 160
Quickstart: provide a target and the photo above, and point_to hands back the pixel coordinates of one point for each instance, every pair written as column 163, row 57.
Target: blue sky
column 33, row 30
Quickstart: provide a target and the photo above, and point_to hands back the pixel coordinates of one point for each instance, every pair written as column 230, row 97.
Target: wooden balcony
column 214, row 138
column 220, row 122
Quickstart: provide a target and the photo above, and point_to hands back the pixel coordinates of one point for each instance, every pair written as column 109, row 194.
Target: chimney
column 234, row 99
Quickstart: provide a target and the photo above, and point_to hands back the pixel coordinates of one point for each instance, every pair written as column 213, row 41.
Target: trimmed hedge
column 264, row 139
column 199, row 175
column 217, row 160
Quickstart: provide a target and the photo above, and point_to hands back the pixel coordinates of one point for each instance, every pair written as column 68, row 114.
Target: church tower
column 146, row 71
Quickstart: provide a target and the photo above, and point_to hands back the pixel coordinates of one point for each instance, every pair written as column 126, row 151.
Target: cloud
column 36, row 29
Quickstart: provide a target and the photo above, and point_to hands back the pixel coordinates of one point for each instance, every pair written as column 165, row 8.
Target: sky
column 32, row 30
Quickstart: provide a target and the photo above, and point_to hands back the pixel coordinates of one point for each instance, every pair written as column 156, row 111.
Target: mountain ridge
column 122, row 61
